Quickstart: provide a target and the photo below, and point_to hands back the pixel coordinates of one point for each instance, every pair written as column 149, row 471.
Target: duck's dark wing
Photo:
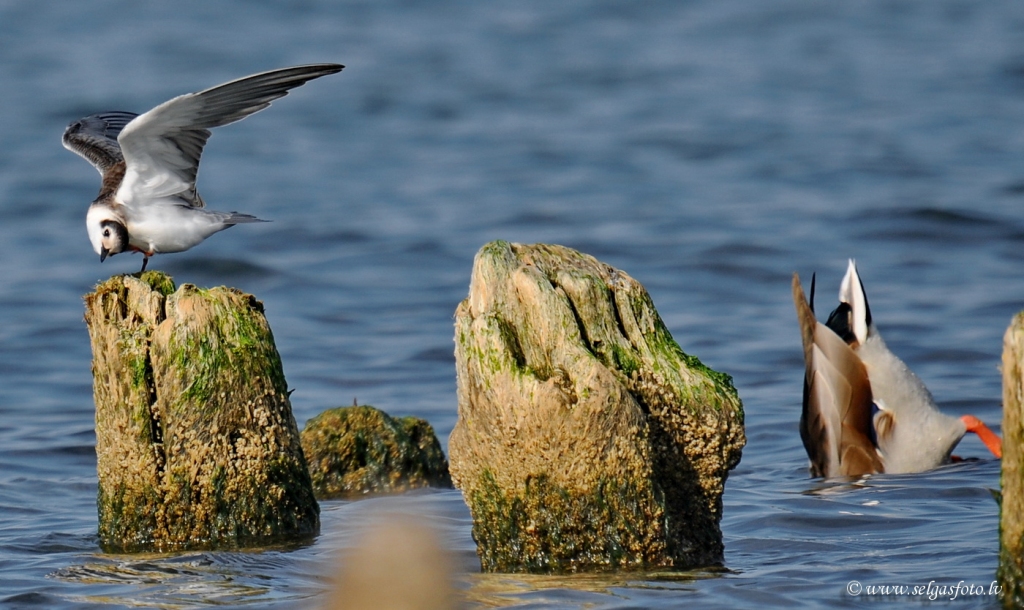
column 836, row 422
column 162, row 147
column 94, row 138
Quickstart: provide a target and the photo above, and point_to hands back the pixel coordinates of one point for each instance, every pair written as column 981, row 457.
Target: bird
column 148, row 162
column 864, row 410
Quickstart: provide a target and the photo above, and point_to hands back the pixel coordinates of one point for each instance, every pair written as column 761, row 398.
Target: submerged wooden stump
column 586, row 439
column 360, row 450
column 196, row 445
column 1011, row 518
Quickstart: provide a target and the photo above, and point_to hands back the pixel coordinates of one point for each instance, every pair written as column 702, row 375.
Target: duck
column 864, row 411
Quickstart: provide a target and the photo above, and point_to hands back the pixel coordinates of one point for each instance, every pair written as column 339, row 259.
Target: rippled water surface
column 708, row 148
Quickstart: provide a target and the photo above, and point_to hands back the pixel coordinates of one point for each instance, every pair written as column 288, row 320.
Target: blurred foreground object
column 397, row 564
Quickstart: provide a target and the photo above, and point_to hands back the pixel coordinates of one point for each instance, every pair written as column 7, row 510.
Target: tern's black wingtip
column 323, row 69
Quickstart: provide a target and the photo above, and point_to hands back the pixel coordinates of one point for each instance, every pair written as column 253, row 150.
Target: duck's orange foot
column 987, row 436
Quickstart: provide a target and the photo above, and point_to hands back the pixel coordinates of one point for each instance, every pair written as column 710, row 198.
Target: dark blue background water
column 708, row 148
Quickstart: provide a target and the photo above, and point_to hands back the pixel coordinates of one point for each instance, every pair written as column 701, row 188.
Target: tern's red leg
column 145, row 261
column 987, row 436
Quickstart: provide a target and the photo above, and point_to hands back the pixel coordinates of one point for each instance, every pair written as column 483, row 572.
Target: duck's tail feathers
column 836, row 421
column 851, row 293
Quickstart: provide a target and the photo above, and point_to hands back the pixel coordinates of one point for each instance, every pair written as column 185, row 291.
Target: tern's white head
column 107, row 232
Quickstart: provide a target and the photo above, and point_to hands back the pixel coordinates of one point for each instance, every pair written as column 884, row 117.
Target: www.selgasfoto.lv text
column 932, row 591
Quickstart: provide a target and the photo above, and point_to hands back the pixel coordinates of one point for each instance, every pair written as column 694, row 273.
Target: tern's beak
column 103, row 254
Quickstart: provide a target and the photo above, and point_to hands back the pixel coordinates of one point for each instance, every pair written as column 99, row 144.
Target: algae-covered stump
column 196, row 445
column 1011, row 518
column 586, row 438
column 359, row 450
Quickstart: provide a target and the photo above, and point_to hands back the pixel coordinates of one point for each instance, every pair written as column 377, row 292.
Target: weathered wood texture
column 586, row 438
column 1011, row 518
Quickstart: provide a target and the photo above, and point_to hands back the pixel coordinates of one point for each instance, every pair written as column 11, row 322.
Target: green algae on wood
column 360, row 449
column 586, row 438
column 1011, row 512
column 557, row 528
column 195, row 440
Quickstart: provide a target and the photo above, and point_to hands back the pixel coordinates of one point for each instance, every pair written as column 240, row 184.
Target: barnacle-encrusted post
column 586, row 438
column 359, row 450
column 1011, row 518
column 195, row 441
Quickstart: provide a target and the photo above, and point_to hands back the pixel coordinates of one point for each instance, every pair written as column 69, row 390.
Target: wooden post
column 1011, row 515
column 195, row 441
column 360, row 450
column 586, row 438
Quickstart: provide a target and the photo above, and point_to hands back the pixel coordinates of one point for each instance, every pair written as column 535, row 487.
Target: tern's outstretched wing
column 94, row 138
column 162, row 147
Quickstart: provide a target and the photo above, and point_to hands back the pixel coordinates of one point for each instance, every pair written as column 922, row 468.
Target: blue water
column 709, row 148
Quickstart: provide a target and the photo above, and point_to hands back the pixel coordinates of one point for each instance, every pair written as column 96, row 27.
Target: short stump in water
column 360, row 449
